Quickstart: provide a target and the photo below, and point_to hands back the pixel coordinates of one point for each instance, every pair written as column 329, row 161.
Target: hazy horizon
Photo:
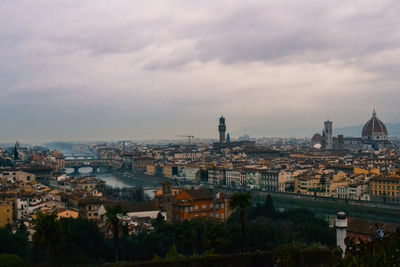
column 145, row 70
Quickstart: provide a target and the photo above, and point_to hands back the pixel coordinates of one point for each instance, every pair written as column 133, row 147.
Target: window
column 196, row 207
column 222, row 205
column 90, row 214
column 191, row 209
column 222, row 216
column 94, row 214
column 186, row 209
column 204, row 206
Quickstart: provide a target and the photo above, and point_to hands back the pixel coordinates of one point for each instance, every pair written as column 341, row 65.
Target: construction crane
column 189, row 137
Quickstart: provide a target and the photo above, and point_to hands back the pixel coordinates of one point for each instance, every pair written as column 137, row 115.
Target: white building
column 191, row 173
column 233, row 178
column 253, row 179
column 216, row 176
column 269, row 180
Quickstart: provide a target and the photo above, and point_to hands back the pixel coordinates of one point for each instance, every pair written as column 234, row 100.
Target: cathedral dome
column 374, row 129
column 316, row 139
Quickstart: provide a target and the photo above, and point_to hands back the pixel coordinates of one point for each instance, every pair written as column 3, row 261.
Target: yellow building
column 167, row 171
column 358, row 170
column 381, row 186
column 306, row 185
column 151, row 169
column 332, row 186
column 339, row 176
column 67, row 214
column 89, row 208
column 6, row 208
column 17, row 176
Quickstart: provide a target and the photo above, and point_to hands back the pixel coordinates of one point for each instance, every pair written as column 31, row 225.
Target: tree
column 269, row 207
column 159, row 221
column 113, row 216
column 10, row 260
column 240, row 203
column 47, row 234
column 14, row 243
column 82, row 242
column 172, row 253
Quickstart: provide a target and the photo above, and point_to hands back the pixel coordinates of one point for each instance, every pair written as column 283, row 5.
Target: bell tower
column 221, row 129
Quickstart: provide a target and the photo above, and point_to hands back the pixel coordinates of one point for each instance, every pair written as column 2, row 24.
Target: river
column 121, row 180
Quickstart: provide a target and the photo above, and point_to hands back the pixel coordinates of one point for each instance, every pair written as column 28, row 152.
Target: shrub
column 7, row 260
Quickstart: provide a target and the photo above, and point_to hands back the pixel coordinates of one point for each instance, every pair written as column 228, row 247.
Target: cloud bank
column 80, row 70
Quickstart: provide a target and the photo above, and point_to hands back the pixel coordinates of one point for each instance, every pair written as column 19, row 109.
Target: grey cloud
column 142, row 66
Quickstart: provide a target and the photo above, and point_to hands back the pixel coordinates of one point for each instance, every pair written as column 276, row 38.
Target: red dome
column 317, row 138
column 374, row 127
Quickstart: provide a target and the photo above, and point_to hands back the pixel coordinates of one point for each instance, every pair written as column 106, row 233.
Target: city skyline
column 112, row 71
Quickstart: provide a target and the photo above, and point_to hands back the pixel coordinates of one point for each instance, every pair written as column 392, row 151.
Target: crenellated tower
column 221, row 129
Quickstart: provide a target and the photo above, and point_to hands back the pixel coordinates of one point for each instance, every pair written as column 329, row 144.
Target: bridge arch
column 96, row 165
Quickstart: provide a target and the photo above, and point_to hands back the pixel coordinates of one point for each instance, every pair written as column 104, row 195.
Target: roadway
column 328, row 207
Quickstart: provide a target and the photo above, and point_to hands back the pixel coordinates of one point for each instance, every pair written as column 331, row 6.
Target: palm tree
column 113, row 216
column 47, row 232
column 240, row 203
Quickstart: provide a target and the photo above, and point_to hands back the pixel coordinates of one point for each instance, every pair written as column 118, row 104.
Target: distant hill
column 393, row 130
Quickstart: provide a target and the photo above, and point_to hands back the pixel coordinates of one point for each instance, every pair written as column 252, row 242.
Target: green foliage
column 160, row 221
column 302, row 226
column 210, row 252
column 378, row 252
column 14, row 243
column 80, row 241
column 266, row 209
column 172, row 253
column 47, row 233
column 112, row 216
column 240, row 203
column 156, row 257
column 7, row 260
column 289, row 255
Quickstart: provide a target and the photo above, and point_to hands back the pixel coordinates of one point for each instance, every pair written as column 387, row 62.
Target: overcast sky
column 81, row 70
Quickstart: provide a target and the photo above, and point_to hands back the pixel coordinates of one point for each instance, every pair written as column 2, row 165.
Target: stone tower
column 327, row 135
column 221, row 129
column 166, row 200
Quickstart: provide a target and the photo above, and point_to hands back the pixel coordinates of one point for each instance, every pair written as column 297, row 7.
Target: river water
column 123, row 180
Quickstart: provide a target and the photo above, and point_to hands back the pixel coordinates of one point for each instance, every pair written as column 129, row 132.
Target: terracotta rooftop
column 369, row 227
column 200, row 194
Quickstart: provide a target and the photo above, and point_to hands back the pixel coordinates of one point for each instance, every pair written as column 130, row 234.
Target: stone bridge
column 76, row 164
